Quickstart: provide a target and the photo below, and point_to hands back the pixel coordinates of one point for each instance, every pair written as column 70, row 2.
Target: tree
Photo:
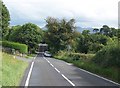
column 84, row 42
column 105, row 30
column 113, row 32
column 86, row 32
column 60, row 33
column 118, row 37
column 96, row 30
column 29, row 34
column 5, row 20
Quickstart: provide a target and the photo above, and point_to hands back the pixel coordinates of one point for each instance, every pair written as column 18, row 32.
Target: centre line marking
column 57, row 70
column 51, row 65
column 68, row 80
column 60, row 73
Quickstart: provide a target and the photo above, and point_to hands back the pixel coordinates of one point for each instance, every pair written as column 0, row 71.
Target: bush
column 108, row 56
column 74, row 56
column 84, row 61
column 81, row 56
column 17, row 46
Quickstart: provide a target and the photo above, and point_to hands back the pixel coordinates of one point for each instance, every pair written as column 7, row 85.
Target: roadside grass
column 111, row 73
column 0, row 69
column 30, row 55
column 12, row 70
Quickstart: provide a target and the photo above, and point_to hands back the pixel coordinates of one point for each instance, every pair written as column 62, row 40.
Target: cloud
column 88, row 13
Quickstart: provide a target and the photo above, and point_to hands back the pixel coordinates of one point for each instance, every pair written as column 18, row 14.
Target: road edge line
column 29, row 73
column 99, row 76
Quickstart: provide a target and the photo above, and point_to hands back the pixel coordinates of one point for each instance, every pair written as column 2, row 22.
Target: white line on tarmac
column 51, row 65
column 57, row 70
column 29, row 74
column 60, row 73
column 69, row 63
column 68, row 80
column 99, row 77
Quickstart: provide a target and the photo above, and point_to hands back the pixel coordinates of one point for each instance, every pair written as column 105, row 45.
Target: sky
column 87, row 13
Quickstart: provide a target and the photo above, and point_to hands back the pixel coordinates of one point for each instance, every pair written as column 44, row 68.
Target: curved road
column 52, row 72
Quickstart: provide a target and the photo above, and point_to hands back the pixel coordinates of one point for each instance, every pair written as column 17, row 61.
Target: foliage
column 109, row 56
column 74, row 56
column 82, row 44
column 60, row 33
column 12, row 70
column 90, row 43
column 106, row 30
column 17, row 46
column 5, row 20
column 29, row 34
column 84, row 61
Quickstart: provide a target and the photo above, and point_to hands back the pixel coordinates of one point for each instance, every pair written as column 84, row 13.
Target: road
column 52, row 72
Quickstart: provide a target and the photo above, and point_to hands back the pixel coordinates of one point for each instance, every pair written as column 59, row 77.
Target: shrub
column 74, row 56
column 17, row 46
column 108, row 56
column 81, row 56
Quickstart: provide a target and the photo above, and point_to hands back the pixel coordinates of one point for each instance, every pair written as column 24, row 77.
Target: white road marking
column 69, row 63
column 68, row 80
column 59, row 72
column 29, row 74
column 99, row 77
column 48, row 62
column 51, row 65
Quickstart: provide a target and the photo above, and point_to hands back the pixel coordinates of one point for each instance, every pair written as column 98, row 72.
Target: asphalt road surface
column 47, row 71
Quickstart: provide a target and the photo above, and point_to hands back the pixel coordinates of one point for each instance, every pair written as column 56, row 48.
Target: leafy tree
column 60, row 33
column 84, row 41
column 29, row 34
column 96, row 30
column 5, row 20
column 86, row 32
column 105, row 30
column 113, row 32
column 118, row 37
column 92, row 43
column 83, row 44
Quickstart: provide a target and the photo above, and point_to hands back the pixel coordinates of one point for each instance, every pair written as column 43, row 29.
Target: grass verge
column 12, row 70
column 111, row 73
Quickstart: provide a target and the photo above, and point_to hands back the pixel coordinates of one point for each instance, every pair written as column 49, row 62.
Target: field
column 12, row 70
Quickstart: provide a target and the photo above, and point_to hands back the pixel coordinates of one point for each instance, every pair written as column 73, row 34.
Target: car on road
column 47, row 54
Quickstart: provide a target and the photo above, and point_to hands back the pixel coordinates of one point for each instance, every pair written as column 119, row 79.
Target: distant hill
column 44, row 28
column 80, row 29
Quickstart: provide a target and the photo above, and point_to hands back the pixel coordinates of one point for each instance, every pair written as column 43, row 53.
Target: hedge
column 74, row 56
column 22, row 48
column 109, row 56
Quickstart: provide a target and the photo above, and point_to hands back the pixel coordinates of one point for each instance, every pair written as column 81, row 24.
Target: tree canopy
column 28, row 33
column 60, row 33
column 5, row 19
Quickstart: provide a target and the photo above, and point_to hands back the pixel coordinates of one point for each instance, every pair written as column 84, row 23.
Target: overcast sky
column 87, row 13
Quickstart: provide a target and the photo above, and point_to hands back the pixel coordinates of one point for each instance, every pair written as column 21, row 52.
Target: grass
column 0, row 69
column 29, row 56
column 111, row 73
column 12, row 70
